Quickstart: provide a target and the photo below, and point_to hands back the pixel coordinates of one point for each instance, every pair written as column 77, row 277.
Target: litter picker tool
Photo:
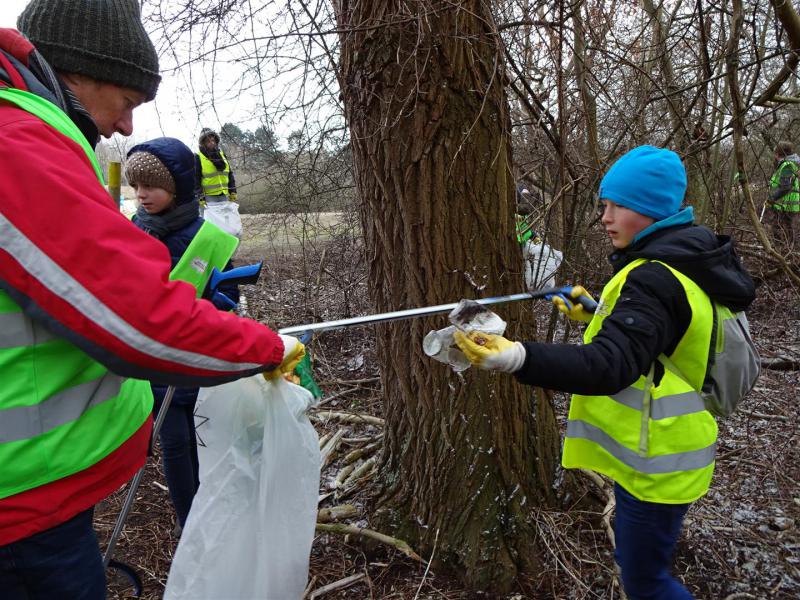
column 412, row 313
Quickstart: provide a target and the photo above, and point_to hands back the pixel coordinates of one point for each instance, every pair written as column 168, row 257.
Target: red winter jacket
column 108, row 293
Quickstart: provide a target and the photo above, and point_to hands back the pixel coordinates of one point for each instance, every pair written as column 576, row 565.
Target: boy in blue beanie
column 630, row 418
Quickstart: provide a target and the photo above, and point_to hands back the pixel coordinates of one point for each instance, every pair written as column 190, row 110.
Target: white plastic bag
column 225, row 215
column 541, row 263
column 249, row 533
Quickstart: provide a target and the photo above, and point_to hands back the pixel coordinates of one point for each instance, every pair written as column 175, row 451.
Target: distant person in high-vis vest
column 630, row 419
column 88, row 313
column 784, row 196
column 524, row 215
column 162, row 173
column 215, row 179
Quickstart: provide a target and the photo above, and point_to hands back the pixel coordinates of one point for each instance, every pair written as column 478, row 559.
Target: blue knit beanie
column 649, row 180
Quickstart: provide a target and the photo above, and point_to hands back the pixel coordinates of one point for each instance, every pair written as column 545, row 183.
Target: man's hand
column 293, row 353
column 572, row 309
column 232, row 197
column 489, row 351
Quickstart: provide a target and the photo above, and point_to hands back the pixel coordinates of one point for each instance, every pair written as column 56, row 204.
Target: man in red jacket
column 87, row 310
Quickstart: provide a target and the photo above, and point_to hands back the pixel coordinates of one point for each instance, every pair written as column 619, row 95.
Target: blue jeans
column 61, row 562
column 179, row 454
column 646, row 534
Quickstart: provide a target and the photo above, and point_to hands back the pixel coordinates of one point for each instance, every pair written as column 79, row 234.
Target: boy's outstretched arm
column 651, row 315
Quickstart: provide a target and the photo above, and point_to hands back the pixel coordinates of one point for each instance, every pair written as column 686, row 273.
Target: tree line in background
column 422, row 117
column 304, row 178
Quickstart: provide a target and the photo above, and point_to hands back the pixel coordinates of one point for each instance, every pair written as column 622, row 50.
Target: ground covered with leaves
column 742, row 541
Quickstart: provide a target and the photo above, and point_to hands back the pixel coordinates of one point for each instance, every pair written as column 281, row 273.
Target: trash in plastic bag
column 541, row 263
column 467, row 316
column 225, row 215
column 251, row 526
column 438, row 345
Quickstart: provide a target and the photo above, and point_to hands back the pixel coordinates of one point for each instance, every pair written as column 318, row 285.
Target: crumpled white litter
column 469, row 315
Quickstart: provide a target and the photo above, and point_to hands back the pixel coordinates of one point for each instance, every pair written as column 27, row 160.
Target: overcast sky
column 169, row 114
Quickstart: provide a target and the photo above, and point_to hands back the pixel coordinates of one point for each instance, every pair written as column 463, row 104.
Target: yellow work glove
column 233, row 197
column 293, row 353
column 489, row 351
column 572, row 309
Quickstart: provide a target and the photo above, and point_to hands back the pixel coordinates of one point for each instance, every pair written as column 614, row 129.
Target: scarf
column 166, row 222
column 215, row 157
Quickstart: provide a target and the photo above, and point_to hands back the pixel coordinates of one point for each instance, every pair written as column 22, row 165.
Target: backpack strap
column 673, row 368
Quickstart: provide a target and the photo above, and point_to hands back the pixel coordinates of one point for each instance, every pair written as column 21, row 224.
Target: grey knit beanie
column 101, row 39
column 145, row 168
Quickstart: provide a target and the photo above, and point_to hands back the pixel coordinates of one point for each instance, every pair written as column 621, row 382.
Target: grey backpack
column 733, row 363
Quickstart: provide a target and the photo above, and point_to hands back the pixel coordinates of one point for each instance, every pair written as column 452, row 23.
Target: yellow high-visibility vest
column 214, row 181
column 653, row 438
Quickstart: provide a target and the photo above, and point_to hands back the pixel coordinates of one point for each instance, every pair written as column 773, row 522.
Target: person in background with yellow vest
column 88, row 313
column 215, row 179
column 629, row 418
column 784, row 195
column 162, row 173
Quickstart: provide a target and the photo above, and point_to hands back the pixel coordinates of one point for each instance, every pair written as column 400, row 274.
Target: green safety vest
column 789, row 202
column 211, row 247
column 60, row 411
column 523, row 230
column 214, row 181
column 657, row 441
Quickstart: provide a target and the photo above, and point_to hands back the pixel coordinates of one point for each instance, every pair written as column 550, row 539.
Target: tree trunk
column 465, row 458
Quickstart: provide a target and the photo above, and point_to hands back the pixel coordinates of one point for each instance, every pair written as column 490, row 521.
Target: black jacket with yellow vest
column 650, row 317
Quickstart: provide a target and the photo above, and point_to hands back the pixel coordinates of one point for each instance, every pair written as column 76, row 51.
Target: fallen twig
column 308, row 587
column 360, row 471
column 330, row 448
column 342, row 476
column 345, row 529
column 337, row 585
column 363, row 452
column 325, row 415
column 608, row 511
column 337, row 513
column 329, row 399
column 428, row 567
column 780, row 363
column 350, row 381
column 757, row 415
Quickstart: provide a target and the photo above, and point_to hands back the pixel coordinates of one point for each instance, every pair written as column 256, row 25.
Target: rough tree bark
column 464, row 458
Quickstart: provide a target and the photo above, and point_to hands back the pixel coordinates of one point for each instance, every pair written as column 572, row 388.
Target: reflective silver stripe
column 674, row 405
column 652, row 465
column 63, row 285
column 25, row 422
column 17, row 329
column 207, row 189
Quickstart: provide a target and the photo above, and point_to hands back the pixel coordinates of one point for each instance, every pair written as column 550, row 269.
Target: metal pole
column 137, row 479
column 412, row 313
